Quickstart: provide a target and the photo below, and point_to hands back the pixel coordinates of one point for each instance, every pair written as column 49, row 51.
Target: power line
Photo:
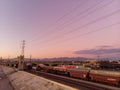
column 93, row 6
column 86, row 10
column 90, row 32
column 92, row 22
column 66, row 14
column 91, row 12
column 71, row 11
column 85, row 25
column 76, row 15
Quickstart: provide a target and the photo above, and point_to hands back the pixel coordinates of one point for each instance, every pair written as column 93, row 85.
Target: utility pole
column 8, row 57
column 0, row 60
column 23, row 47
column 30, row 59
column 21, row 58
column 98, row 57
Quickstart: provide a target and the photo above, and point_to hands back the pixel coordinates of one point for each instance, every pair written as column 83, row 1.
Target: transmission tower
column 21, row 57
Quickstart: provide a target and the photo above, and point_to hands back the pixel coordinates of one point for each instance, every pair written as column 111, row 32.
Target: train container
column 79, row 73
column 44, row 68
column 60, row 70
column 103, row 76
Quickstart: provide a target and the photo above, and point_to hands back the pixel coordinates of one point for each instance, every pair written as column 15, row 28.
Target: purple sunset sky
column 57, row 28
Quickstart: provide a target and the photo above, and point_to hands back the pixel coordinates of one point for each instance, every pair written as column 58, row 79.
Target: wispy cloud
column 101, row 50
column 104, row 46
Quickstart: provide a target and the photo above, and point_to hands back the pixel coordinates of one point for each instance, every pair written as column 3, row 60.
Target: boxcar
column 79, row 73
column 109, row 77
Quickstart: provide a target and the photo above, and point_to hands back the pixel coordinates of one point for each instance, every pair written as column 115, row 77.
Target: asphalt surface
column 4, row 82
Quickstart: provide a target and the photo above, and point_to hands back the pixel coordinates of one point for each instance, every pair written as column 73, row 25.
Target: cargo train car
column 44, row 68
column 60, row 70
column 103, row 76
column 63, row 69
column 79, row 73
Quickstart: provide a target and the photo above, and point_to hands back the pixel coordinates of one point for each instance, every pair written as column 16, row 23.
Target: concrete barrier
column 8, row 70
column 25, row 81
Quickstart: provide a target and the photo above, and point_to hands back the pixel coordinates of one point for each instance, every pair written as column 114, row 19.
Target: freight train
column 102, row 76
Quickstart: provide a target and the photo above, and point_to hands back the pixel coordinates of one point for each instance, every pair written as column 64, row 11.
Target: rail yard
column 60, row 45
column 99, row 77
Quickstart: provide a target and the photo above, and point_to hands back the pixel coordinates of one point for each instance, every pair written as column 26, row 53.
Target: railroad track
column 76, row 83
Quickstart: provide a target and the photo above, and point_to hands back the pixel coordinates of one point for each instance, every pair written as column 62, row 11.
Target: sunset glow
column 58, row 28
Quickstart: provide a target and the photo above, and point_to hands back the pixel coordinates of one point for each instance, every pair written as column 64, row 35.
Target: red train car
column 103, row 76
column 79, row 73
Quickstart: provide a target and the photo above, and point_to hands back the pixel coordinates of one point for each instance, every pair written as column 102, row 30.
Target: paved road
column 4, row 82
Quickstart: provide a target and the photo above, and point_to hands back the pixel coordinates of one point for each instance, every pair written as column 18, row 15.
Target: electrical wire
column 84, row 16
column 87, row 33
column 83, row 26
column 62, row 17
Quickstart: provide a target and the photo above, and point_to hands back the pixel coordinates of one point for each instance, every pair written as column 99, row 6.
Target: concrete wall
column 25, row 81
column 8, row 70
